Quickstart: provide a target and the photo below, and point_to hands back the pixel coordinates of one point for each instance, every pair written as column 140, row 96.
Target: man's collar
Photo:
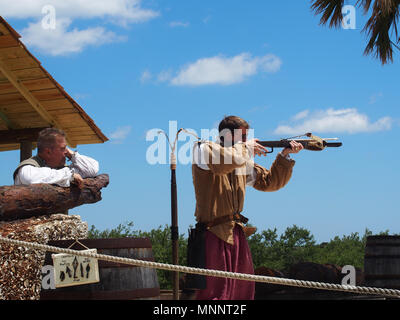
column 38, row 158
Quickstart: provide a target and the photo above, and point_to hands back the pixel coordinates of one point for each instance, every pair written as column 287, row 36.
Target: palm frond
column 395, row 45
column 330, row 9
column 366, row 4
column 384, row 16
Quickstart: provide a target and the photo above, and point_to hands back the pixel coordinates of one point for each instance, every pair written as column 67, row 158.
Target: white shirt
column 85, row 166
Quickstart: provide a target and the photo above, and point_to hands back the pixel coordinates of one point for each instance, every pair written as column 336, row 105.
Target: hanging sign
column 71, row 270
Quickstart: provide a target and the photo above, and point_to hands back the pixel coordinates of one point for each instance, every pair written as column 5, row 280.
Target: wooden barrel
column 117, row 281
column 382, row 262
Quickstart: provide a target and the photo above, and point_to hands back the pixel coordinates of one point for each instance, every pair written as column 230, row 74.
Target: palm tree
column 382, row 22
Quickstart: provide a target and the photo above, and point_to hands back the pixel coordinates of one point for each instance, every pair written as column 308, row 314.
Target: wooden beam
column 17, row 136
column 26, row 94
column 8, row 122
column 34, row 102
column 25, row 150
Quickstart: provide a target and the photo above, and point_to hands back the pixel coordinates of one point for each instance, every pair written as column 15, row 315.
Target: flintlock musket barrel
column 308, row 144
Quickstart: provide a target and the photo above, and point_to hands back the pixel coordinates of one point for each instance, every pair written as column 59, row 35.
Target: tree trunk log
column 20, row 202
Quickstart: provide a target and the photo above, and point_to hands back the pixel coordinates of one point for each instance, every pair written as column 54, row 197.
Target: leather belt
column 237, row 217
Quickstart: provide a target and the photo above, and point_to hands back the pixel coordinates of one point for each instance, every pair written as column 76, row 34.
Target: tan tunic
column 221, row 189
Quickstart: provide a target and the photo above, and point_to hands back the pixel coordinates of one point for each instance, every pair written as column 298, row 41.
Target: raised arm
column 274, row 179
column 279, row 174
column 85, row 166
column 220, row 160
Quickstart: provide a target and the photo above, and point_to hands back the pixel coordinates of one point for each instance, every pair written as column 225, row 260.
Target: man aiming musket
column 221, row 172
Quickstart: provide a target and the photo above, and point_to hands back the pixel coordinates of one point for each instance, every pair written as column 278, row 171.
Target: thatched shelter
column 31, row 99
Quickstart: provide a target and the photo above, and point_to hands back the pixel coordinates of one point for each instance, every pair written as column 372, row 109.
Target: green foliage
column 294, row 245
column 121, row 231
column 298, row 245
column 267, row 247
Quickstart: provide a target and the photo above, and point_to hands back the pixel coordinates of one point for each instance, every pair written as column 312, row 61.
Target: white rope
column 208, row 272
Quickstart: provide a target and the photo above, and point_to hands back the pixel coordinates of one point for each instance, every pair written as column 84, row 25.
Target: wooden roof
column 30, row 99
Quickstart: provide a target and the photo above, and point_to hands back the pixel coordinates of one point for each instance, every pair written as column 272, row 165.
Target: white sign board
column 71, row 270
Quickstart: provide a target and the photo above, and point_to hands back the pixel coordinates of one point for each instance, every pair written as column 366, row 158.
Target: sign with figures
column 71, row 270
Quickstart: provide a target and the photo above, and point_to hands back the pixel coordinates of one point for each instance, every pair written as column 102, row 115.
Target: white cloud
column 375, row 97
column 300, row 115
column 165, row 75
column 207, row 19
column 80, row 96
column 123, row 11
column 146, row 76
column 120, row 134
column 333, row 121
column 61, row 41
column 224, row 70
column 61, row 38
column 174, row 24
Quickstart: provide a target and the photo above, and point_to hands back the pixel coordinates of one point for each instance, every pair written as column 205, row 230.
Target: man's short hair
column 47, row 138
column 232, row 123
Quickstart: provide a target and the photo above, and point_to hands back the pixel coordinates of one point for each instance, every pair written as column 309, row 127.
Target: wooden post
column 25, row 150
column 174, row 217
column 174, row 232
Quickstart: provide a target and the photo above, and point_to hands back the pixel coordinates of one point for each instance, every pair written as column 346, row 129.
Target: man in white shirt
column 49, row 164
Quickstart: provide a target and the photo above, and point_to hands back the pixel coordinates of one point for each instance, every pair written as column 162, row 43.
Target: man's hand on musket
column 295, row 147
column 256, row 148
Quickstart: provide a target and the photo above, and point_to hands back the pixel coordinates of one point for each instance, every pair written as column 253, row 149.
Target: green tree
column 294, row 245
column 347, row 250
column 298, row 245
column 262, row 246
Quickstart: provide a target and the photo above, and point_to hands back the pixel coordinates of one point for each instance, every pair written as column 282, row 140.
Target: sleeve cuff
column 285, row 160
column 73, row 158
column 287, row 157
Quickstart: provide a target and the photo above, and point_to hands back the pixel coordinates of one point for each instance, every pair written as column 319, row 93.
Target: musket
column 314, row 143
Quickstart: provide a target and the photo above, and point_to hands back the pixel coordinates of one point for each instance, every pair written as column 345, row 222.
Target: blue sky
column 135, row 66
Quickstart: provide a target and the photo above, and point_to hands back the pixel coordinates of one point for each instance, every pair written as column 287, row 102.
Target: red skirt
column 221, row 255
